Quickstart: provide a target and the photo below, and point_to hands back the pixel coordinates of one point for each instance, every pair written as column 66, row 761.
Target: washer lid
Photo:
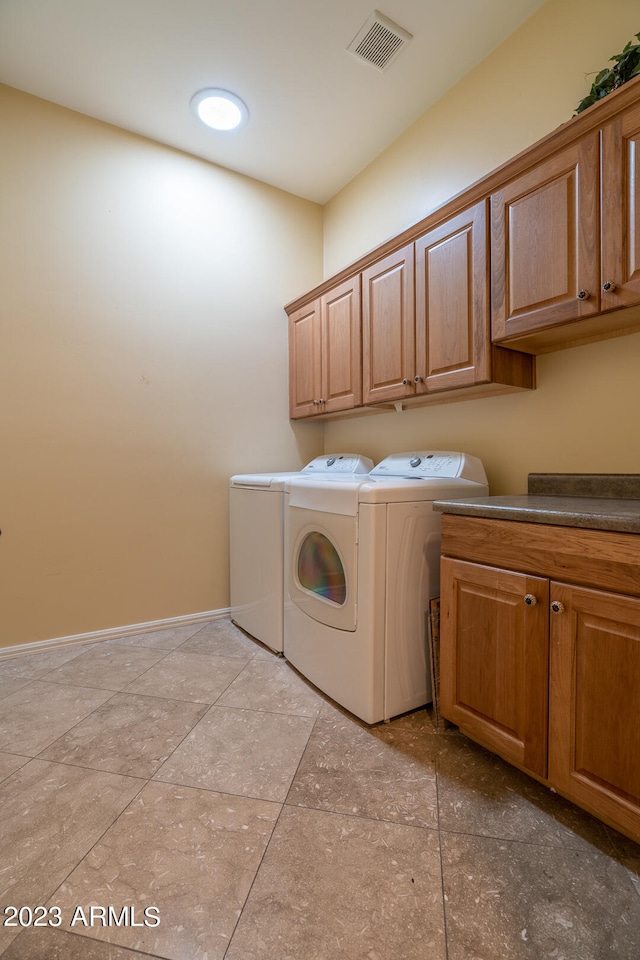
column 338, row 498
column 414, row 489
column 262, row 481
column 330, row 465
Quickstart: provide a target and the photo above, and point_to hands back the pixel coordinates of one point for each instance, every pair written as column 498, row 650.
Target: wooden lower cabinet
column 495, row 659
column 546, row 674
column 594, row 703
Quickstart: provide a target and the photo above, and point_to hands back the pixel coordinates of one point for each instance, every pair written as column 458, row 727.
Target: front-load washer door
column 323, row 565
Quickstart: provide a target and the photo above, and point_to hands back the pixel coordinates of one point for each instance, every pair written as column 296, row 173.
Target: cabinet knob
column 405, row 382
column 417, row 379
column 321, row 400
column 608, row 286
column 583, row 295
column 530, row 600
column 557, row 606
column 315, row 402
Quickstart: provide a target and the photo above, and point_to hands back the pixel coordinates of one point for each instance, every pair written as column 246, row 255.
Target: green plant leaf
column 602, row 76
column 626, row 65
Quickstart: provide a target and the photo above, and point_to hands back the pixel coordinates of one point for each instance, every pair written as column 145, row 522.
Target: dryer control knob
column 331, row 461
column 415, row 462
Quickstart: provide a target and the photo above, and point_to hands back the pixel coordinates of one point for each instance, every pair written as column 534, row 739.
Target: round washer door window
column 320, row 569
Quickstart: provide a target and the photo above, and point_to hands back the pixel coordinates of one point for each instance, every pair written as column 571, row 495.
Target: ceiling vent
column 379, row 41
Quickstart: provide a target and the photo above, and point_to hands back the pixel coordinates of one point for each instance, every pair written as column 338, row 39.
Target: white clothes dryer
column 256, row 519
column 362, row 563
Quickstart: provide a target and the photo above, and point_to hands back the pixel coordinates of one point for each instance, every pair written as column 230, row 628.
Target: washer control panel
column 426, row 464
column 338, row 463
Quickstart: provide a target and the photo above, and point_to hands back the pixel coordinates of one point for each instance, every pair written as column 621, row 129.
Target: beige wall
column 143, row 344
column 143, row 361
column 529, row 86
column 584, row 416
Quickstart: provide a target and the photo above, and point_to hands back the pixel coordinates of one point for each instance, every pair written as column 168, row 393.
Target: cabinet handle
column 609, row 286
column 405, row 382
column 321, row 400
column 315, row 402
column 557, row 606
column 530, row 600
column 418, row 379
column 583, row 295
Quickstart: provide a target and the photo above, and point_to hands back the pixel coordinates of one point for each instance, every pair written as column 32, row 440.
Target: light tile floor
column 192, row 771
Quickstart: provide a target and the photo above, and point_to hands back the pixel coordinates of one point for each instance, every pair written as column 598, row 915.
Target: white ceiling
column 317, row 114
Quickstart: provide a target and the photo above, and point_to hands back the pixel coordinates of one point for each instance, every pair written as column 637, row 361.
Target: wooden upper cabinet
column 325, row 353
column 548, row 244
column 305, row 359
column 425, row 318
column 388, row 328
column 341, row 347
column 621, row 210
column 452, row 303
column 545, row 243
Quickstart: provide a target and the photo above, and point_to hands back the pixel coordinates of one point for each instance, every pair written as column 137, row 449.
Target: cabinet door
column 494, row 659
column 594, row 703
column 341, row 347
column 452, row 303
column 388, row 335
column 545, row 244
column 621, row 210
column 305, row 360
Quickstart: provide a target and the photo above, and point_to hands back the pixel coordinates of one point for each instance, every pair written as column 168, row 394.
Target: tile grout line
column 145, row 782
column 108, row 700
column 196, row 724
column 268, row 844
column 51, row 895
column 442, row 886
column 443, row 808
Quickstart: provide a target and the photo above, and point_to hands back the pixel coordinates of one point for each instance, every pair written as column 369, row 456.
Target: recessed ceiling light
column 219, row 109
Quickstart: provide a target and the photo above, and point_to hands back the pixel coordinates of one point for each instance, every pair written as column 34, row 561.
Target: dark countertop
column 591, row 501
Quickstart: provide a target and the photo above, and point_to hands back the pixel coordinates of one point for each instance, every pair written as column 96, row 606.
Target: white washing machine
column 362, row 563
column 256, row 515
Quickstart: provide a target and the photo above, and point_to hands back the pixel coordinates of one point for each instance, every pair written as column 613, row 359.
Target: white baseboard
column 96, row 636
